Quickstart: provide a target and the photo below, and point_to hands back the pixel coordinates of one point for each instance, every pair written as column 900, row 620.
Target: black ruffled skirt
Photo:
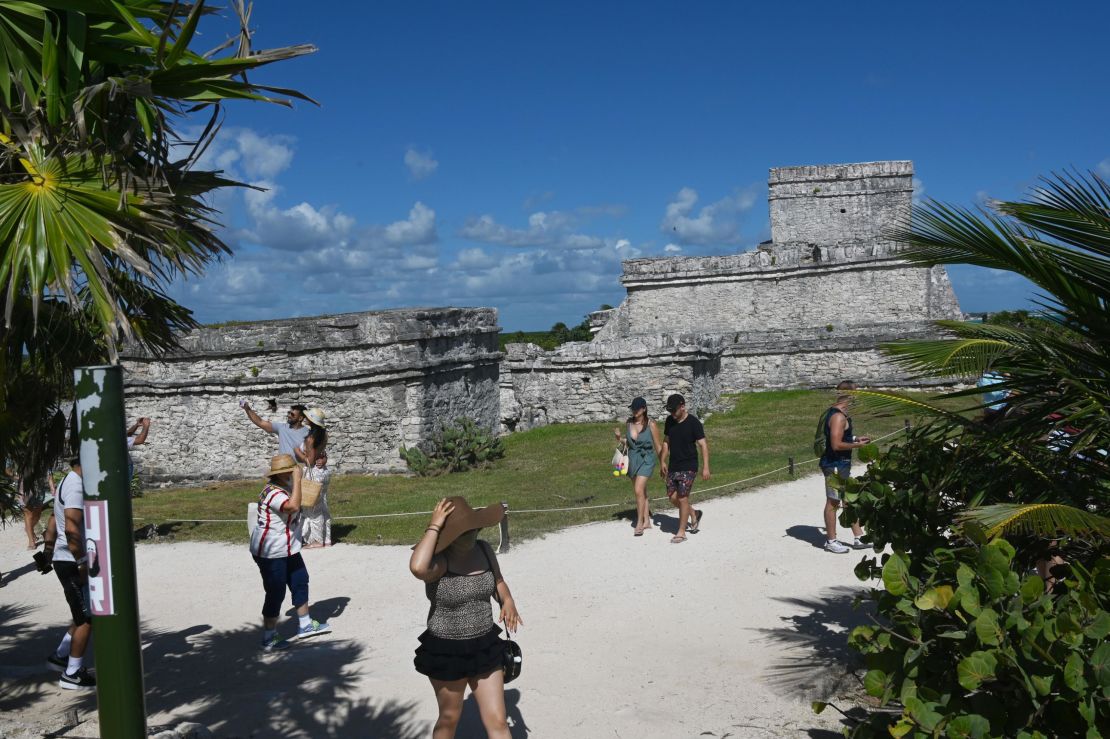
column 454, row 659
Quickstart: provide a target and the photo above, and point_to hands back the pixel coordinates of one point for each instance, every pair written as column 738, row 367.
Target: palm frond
column 884, row 402
column 947, row 357
column 1045, row 520
column 1070, row 208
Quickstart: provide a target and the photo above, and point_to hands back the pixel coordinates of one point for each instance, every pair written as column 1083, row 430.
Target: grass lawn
column 551, row 467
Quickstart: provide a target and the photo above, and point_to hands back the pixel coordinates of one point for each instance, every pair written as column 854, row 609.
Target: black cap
column 638, row 403
column 674, row 402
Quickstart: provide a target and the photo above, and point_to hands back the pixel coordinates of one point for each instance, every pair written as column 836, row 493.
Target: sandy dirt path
column 730, row 634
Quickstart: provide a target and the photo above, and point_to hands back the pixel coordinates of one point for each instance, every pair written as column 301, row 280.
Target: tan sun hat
column 280, row 464
column 464, row 518
column 316, row 415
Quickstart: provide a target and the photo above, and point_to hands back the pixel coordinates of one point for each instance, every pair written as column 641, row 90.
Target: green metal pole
column 113, row 593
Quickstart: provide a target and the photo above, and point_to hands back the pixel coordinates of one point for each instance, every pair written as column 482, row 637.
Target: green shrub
column 456, row 448
column 969, row 643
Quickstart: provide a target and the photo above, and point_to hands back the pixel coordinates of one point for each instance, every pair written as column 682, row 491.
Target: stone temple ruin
column 806, row 309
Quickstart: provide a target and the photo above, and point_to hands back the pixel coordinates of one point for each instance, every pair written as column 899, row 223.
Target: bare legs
column 489, row 693
column 80, row 636
column 831, row 508
column 685, row 513
column 30, row 520
column 643, row 506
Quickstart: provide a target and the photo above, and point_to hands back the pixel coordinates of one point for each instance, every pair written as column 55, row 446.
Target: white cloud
column 421, row 164
column 1104, row 167
column 418, row 228
column 716, row 223
column 918, row 190
column 474, row 260
column 552, row 229
column 672, row 249
column 244, row 154
column 302, row 226
column 263, row 157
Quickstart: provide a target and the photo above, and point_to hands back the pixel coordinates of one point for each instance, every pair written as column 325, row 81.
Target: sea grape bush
column 969, row 640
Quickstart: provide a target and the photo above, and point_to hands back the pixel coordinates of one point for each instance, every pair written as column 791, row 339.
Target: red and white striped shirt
column 277, row 532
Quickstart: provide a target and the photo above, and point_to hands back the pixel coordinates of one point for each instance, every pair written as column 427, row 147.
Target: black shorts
column 76, row 590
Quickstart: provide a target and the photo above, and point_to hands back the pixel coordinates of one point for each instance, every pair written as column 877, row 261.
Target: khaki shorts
column 843, row 471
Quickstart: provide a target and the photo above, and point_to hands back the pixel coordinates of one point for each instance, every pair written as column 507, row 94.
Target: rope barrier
column 514, row 511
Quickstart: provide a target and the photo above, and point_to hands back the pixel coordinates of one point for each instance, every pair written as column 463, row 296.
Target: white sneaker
column 836, row 547
column 314, row 628
column 858, row 543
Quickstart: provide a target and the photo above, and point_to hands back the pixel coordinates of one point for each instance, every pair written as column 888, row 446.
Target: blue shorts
column 277, row 575
column 843, row 470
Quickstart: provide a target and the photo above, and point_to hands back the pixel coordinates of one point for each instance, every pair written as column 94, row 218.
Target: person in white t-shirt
column 290, row 435
column 276, row 548
column 71, row 566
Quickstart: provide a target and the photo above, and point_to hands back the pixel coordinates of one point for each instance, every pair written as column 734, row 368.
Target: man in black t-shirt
column 683, row 435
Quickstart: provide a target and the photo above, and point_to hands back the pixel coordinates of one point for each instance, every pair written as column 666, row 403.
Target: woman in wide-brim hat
column 462, row 645
column 276, row 548
column 317, row 439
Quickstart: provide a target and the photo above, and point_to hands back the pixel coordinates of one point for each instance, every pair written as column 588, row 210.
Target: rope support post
column 790, row 464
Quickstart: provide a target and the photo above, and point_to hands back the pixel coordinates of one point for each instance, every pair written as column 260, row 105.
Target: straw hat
column 280, row 464
column 464, row 518
column 316, row 415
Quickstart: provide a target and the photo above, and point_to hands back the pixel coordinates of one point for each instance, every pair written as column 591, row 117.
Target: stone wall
column 383, row 378
column 592, row 382
column 792, row 287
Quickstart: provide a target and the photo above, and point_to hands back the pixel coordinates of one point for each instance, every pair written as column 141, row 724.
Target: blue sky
column 511, row 154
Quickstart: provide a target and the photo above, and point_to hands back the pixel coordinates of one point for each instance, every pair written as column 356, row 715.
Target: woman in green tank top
column 644, row 444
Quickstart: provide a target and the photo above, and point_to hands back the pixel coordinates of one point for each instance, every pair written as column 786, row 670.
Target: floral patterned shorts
column 679, row 483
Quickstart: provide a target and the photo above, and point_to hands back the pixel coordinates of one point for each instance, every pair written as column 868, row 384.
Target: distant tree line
column 557, row 335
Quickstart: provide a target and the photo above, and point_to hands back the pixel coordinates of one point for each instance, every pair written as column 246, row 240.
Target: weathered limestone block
column 837, row 203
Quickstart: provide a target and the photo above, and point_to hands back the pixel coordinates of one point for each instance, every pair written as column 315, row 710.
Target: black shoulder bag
column 511, row 657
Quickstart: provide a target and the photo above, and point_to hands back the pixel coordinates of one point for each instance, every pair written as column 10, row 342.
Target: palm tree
column 1055, row 366
column 101, row 201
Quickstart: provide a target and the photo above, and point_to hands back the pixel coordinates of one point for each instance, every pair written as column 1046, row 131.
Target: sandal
column 638, row 532
column 696, row 527
column 677, row 539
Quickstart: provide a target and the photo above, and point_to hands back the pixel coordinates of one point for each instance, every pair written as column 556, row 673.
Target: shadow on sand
column 12, row 575
column 219, row 678
column 816, row 662
column 810, row 534
column 470, row 723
